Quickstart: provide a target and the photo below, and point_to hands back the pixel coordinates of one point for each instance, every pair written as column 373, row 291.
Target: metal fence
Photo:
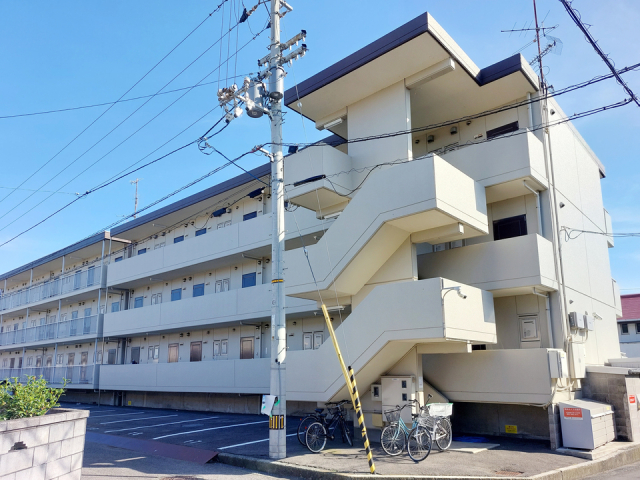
column 52, row 288
column 66, row 329
column 74, row 374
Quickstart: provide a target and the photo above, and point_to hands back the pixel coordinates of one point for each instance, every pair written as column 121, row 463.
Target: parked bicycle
column 396, row 437
column 318, row 416
column 318, row 432
column 435, row 417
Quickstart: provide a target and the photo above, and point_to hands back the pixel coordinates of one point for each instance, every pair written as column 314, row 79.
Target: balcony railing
column 69, row 328
column 73, row 374
column 52, row 288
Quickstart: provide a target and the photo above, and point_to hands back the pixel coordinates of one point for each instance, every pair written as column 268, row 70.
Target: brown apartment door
column 246, row 347
column 173, row 353
column 196, row 352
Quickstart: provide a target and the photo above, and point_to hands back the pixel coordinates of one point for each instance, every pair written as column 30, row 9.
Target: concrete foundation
column 201, row 402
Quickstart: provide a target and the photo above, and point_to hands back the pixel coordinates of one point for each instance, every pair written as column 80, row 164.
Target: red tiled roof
column 630, row 307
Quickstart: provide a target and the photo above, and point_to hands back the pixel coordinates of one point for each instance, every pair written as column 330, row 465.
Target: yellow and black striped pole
column 350, row 379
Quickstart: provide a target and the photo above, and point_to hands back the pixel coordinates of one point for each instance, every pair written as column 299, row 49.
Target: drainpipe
column 537, row 194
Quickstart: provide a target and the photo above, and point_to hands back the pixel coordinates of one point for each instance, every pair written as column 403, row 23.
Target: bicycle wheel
column 316, row 437
column 303, row 426
column 346, row 434
column 419, row 444
column 443, row 433
column 393, row 440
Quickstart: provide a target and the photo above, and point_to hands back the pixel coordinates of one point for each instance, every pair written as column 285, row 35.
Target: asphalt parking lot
column 223, row 432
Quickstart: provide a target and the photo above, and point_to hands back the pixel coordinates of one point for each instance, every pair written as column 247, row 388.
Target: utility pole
column 278, row 386
column 258, row 101
column 135, row 206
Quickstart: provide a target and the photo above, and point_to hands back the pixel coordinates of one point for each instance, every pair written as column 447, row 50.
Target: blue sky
column 65, row 54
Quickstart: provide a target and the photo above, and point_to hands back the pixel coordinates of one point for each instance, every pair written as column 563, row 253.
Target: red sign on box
column 573, row 413
column 632, row 399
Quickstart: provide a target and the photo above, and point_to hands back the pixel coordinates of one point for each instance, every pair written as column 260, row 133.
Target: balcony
column 225, row 376
column 506, row 267
column 320, row 194
column 502, row 166
column 215, row 308
column 78, row 328
column 71, row 283
column 78, row 376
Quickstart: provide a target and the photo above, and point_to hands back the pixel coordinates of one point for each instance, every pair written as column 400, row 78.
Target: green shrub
column 31, row 399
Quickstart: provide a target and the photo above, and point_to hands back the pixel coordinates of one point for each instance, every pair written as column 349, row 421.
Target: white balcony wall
column 224, row 307
column 225, row 376
column 79, row 328
column 80, row 376
column 500, row 376
column 505, row 267
column 501, row 165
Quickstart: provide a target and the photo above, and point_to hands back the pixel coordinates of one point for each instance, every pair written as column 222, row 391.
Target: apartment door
column 12, row 363
column 73, row 326
column 135, row 355
column 246, row 347
column 48, row 363
column 50, row 327
column 71, row 360
column 86, row 324
column 111, row 356
column 196, row 352
column 84, row 356
column 173, row 353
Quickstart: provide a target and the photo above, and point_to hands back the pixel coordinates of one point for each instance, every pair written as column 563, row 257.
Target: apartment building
column 440, row 254
column 629, row 325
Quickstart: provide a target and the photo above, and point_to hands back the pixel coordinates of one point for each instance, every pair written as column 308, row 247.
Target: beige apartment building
column 440, row 254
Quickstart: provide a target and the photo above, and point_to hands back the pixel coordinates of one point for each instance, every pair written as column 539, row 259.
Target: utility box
column 398, row 390
column 578, row 363
column 590, row 322
column 558, row 366
column 586, row 424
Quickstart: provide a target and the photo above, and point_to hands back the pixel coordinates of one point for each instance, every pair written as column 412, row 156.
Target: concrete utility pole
column 253, row 94
column 278, row 435
column 135, row 207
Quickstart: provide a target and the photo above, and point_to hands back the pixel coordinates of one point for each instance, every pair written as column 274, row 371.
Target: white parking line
column 137, row 419
column 119, row 414
column 159, row 425
column 207, row 429
column 249, row 443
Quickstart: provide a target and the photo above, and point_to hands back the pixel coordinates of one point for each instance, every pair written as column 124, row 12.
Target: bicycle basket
column 392, row 416
column 440, row 409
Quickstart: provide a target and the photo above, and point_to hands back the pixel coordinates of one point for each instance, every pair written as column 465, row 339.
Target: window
column 249, row 280
column 141, row 251
column 29, row 361
column 502, row 130
column 99, row 357
column 118, row 259
column 59, row 358
column 178, row 239
column 173, row 353
column 115, row 307
column 154, row 352
column 111, row 359
column 249, row 216
column 224, row 224
column 176, row 294
column 138, row 302
column 216, row 348
column 478, row 347
column 637, row 327
column 510, row 227
column 202, row 231
column 195, row 354
column 224, row 344
column 222, row 285
column 156, row 298
column 198, row 290
column 624, row 328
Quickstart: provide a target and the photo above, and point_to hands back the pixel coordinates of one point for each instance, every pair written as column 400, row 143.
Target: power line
column 576, row 17
column 121, row 97
column 126, row 139
column 43, row 191
column 69, row 109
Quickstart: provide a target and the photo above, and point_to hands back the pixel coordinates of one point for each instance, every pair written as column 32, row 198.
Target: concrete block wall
column 49, row 447
column 616, row 390
column 555, row 430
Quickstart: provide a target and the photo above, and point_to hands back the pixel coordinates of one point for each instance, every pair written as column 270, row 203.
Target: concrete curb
column 618, row 459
